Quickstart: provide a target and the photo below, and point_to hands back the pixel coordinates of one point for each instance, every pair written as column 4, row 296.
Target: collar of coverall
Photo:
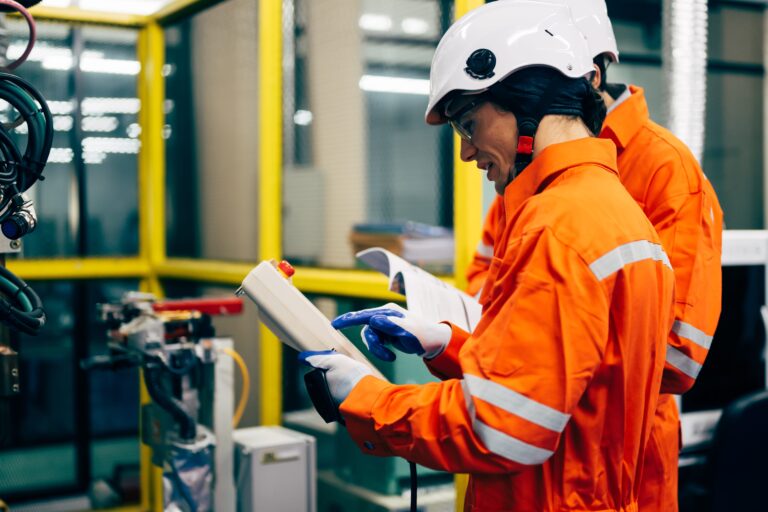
column 623, row 122
column 555, row 159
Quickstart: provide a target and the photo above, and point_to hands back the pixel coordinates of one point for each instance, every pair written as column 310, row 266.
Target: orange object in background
column 662, row 175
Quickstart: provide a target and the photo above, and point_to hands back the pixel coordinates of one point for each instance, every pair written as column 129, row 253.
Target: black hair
column 602, row 65
column 534, row 92
column 593, row 110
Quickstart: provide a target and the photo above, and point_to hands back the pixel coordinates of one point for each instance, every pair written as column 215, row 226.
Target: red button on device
column 286, row 268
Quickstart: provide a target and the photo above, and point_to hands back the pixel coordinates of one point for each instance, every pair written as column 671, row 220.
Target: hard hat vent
column 480, row 64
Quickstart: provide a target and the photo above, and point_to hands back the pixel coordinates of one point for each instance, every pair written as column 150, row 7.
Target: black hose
column 170, row 404
column 23, row 309
column 23, row 169
column 414, row 486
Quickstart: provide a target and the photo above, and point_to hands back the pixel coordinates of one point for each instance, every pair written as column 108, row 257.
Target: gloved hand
column 342, row 373
column 392, row 325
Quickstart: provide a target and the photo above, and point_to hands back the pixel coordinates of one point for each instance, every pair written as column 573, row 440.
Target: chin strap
column 524, row 150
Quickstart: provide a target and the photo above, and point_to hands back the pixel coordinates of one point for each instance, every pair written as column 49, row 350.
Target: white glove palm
column 341, row 372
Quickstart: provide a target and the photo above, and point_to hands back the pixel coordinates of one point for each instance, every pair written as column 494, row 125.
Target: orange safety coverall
column 664, row 178
column 559, row 381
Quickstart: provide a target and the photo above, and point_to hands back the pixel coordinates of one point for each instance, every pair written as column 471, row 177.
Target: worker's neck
column 607, row 99
column 557, row 129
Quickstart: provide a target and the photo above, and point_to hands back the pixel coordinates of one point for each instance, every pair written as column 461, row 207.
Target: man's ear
column 597, row 77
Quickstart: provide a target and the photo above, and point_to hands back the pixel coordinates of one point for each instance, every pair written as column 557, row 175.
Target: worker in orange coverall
column 667, row 182
column 548, row 404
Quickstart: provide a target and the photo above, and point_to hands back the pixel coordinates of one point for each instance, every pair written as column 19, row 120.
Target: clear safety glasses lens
column 463, row 132
column 458, row 112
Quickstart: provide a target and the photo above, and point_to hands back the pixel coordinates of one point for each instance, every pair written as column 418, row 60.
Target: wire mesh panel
column 41, row 452
column 70, row 429
column 109, row 138
column 55, row 234
column 212, row 145
column 112, row 403
column 361, row 158
column 88, row 204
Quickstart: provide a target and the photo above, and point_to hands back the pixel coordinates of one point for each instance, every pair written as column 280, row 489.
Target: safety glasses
column 459, row 114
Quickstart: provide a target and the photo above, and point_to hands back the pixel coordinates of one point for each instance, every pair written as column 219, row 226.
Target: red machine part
column 207, row 306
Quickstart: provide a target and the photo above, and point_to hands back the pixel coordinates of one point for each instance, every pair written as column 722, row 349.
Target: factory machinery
column 188, row 373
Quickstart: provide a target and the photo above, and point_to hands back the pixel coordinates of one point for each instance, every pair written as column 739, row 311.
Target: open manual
column 292, row 317
column 425, row 294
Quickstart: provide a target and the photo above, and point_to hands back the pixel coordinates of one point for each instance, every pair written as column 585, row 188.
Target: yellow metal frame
column 74, row 15
column 152, row 264
column 345, row 283
column 270, row 191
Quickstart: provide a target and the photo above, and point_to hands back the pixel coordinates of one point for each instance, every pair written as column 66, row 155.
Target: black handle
column 317, row 387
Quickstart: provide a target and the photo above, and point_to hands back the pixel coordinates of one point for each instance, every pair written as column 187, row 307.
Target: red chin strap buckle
column 525, row 145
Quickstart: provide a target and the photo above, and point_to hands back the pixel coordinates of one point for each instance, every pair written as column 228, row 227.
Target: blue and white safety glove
column 342, row 373
column 392, row 325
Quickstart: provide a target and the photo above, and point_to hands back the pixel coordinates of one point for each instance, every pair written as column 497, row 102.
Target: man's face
column 492, row 143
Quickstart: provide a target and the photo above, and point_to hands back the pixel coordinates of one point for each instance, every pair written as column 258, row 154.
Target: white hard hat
column 493, row 41
column 591, row 18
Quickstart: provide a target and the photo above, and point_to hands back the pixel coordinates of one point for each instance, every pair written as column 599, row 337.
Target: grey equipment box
column 275, row 470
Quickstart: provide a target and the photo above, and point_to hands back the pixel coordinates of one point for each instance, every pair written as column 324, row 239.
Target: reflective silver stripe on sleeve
column 500, row 443
column 515, row 403
column 625, row 254
column 485, row 250
column 689, row 332
column 682, row 362
column 509, row 447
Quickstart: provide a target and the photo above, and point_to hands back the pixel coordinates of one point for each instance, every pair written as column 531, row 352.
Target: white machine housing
column 275, row 469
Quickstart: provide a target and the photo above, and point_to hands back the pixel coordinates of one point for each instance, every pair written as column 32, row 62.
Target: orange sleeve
column 522, row 375
column 690, row 227
column 477, row 270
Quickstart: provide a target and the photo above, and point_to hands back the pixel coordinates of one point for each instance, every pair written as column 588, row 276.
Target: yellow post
column 151, row 92
column 270, row 190
column 467, row 221
column 467, row 212
column 467, row 195
column 151, row 49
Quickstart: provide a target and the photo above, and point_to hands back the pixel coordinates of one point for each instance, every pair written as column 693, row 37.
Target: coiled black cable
column 21, row 308
column 20, row 170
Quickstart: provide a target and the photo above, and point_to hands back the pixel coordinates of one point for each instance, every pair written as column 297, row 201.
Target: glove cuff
column 438, row 338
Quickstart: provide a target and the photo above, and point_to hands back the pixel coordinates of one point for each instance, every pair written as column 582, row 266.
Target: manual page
column 425, row 294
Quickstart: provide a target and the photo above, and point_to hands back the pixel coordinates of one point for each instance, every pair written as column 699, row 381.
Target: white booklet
column 292, row 317
column 426, row 295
